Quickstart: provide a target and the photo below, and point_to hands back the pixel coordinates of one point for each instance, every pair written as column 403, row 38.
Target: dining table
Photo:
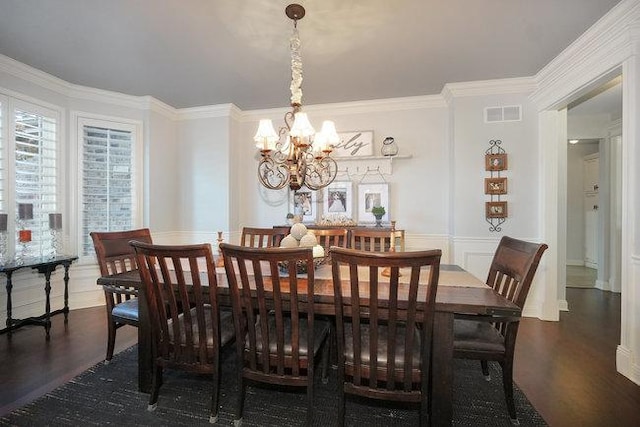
column 458, row 292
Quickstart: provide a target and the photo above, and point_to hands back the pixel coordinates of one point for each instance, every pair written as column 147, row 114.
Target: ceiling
column 191, row 53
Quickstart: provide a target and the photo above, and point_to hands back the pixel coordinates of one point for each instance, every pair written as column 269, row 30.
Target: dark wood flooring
column 566, row 368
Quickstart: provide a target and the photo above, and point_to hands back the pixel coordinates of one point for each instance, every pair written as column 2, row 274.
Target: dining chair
column 187, row 327
column 384, row 326
column 114, row 256
column 328, row 237
column 375, row 240
column 277, row 334
column 493, row 338
column 257, row 237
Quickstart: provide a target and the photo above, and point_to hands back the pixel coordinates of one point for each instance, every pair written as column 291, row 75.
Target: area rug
column 107, row 394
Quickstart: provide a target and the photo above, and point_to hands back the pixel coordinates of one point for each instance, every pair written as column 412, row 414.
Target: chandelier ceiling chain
column 296, row 155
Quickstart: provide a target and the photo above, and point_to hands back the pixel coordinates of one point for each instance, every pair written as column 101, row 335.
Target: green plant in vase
column 378, row 212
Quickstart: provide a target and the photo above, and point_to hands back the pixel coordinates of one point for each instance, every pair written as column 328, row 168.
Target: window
column 29, row 174
column 110, row 178
column 36, row 175
column 2, row 159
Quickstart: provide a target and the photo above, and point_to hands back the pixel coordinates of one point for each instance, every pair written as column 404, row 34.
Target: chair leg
column 213, row 417
column 485, row 369
column 155, row 387
column 341, row 404
column 111, row 338
column 310, row 401
column 326, row 352
column 237, row 422
column 507, row 385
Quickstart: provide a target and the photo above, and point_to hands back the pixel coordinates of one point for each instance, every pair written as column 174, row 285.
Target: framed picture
column 495, row 162
column 495, row 186
column 370, row 195
column 354, row 144
column 496, row 209
column 338, row 200
column 304, row 202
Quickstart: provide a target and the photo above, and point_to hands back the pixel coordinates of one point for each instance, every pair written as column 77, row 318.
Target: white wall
column 418, row 186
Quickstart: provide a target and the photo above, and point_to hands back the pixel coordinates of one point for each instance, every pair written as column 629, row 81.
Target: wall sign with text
column 354, row 144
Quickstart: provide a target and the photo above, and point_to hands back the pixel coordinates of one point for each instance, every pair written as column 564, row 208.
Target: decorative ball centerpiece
column 300, row 236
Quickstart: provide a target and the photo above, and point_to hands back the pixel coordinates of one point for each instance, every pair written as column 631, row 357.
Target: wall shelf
column 361, row 166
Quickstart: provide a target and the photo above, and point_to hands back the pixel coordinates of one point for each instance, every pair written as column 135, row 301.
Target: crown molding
column 157, row 106
column 488, row 87
column 47, row 81
column 356, row 107
column 210, row 111
column 40, row 78
column 596, row 54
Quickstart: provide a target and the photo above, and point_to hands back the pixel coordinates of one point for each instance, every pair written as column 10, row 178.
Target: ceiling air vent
column 509, row 113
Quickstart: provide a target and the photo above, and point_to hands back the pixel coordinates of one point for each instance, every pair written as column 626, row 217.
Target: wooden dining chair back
column 187, row 327
column 328, row 237
column 114, row 256
column 277, row 335
column 493, row 338
column 384, row 325
column 256, row 237
column 372, row 240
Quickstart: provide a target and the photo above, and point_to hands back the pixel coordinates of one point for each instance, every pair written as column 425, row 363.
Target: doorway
column 593, row 189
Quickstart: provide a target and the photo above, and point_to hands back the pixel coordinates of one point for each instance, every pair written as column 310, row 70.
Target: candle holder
column 3, row 238
column 3, row 247
column 220, row 260
column 55, row 228
column 24, row 237
column 25, row 213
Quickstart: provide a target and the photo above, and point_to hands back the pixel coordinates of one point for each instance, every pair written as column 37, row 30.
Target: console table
column 46, row 266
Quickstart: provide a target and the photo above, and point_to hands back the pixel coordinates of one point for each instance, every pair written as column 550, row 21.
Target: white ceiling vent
column 509, row 113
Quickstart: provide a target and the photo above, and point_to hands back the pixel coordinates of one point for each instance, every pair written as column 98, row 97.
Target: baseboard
column 575, row 262
column 563, row 305
column 603, row 285
column 625, row 365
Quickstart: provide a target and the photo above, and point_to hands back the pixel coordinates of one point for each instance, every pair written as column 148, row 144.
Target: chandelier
column 296, row 155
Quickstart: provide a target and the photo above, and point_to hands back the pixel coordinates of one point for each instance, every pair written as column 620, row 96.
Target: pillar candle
column 55, row 221
column 25, row 210
column 3, row 221
column 24, row 236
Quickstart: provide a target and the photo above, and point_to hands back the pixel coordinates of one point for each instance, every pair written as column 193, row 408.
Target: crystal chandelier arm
column 296, row 69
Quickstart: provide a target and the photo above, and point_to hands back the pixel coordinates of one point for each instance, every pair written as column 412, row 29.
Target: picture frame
column 496, row 209
column 495, row 162
column 495, row 185
column 354, row 144
column 370, row 195
column 304, row 202
column 338, row 200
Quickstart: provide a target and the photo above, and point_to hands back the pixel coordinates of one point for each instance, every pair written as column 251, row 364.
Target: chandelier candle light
column 303, row 157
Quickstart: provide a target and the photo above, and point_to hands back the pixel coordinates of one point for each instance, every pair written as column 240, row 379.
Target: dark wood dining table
column 458, row 292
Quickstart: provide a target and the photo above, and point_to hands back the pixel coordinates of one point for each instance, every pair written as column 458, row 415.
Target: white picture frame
column 338, row 200
column 354, row 144
column 370, row 195
column 304, row 202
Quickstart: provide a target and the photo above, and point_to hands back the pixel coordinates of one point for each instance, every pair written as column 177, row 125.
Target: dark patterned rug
column 108, row 395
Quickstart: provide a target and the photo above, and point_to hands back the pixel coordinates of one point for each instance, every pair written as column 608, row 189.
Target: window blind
column 108, row 182
column 3, row 208
column 36, row 170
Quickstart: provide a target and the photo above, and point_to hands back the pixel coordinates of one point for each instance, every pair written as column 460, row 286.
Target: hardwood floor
column 566, row 368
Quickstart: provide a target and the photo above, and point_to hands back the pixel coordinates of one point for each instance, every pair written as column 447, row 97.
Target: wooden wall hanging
column 495, row 161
